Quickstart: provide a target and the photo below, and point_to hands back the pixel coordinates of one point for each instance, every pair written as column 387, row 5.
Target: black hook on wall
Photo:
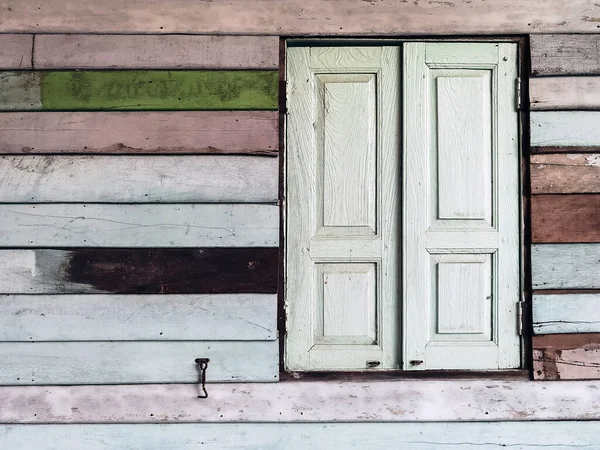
column 202, row 365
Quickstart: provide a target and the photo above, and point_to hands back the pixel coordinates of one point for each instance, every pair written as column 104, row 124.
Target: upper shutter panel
column 461, row 222
column 342, row 208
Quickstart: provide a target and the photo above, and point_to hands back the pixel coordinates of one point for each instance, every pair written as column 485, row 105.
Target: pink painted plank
column 298, row 401
column 87, row 51
column 244, row 132
column 15, row 51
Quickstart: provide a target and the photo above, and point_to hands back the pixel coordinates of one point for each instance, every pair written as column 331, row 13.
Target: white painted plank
column 65, row 363
column 548, row 93
column 226, row 317
column 568, row 313
column 565, row 266
column 15, row 51
column 560, row 54
column 141, row 179
column 565, row 128
column 413, row 436
column 92, row 51
column 401, row 400
column 299, row 17
column 20, row 91
column 105, row 225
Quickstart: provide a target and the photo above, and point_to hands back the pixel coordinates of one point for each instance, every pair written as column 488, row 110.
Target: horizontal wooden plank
column 561, row 54
column 565, row 266
column 139, row 271
column 565, row 173
column 109, row 225
column 566, row 357
column 234, row 132
column 299, row 17
column 566, row 129
column 363, row 436
column 93, row 51
column 224, row 317
column 20, row 91
column 399, row 400
column 29, row 363
column 564, row 93
column 571, row 313
column 565, row 218
column 15, row 51
column 139, row 179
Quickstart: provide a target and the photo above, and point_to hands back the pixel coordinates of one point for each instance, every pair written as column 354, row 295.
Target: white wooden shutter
column 461, row 206
column 342, row 171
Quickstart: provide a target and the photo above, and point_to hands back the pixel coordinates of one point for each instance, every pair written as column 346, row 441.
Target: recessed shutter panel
column 461, row 208
column 342, row 175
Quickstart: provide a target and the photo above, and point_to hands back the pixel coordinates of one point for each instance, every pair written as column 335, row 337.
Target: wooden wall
column 565, row 205
column 139, row 225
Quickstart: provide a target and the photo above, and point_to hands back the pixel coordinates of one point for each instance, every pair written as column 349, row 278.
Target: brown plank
column 565, row 218
column 140, row 271
column 233, row 132
column 15, row 51
column 565, row 149
column 301, row 17
column 561, row 54
column 566, row 356
column 92, row 51
column 564, row 93
column 565, row 173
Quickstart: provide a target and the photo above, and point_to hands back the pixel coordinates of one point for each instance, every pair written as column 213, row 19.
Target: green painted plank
column 159, row 90
column 20, row 91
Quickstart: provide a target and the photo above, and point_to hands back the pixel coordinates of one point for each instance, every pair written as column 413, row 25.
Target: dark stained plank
column 565, row 173
column 140, row 271
column 164, row 132
column 566, row 356
column 565, row 218
column 15, row 51
column 561, row 54
column 566, row 149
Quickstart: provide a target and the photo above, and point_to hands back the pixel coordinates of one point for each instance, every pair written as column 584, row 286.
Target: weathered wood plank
column 234, row 132
column 29, row 363
column 399, row 400
column 566, row 129
column 139, row 179
column 224, row 317
column 561, row 54
column 571, row 313
column 364, row 436
column 566, row 357
column 565, row 266
column 139, row 271
column 566, row 173
column 565, row 218
column 20, row 91
column 105, row 225
column 566, row 149
column 15, row 51
column 92, row 51
column 564, row 93
column 299, row 17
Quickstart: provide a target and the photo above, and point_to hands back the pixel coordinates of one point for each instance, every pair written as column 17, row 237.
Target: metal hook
column 203, row 364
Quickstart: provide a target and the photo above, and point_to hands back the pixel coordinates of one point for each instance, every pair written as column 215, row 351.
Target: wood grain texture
column 20, row 91
column 139, row 271
column 234, row 132
column 564, row 93
column 104, row 225
column 298, row 17
column 566, row 129
column 138, row 179
column 565, row 218
column 569, row 313
column 566, row 356
column 67, row 363
column 214, row 317
column 565, row 173
column 15, row 51
column 394, row 400
column 561, row 54
column 565, row 266
column 92, row 51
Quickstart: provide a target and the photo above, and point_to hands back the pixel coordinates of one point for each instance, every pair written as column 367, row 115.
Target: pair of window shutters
column 402, row 201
